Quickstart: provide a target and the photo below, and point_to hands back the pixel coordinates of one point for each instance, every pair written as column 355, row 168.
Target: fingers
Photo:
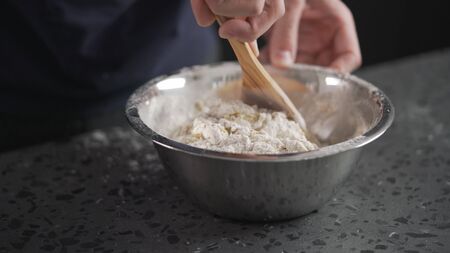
column 306, row 58
column 253, row 44
column 202, row 13
column 248, row 19
column 333, row 43
column 284, row 37
column 346, row 45
column 325, row 57
column 346, row 62
column 236, row 8
column 252, row 27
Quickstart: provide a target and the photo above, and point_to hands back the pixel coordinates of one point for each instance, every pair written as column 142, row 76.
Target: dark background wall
column 390, row 29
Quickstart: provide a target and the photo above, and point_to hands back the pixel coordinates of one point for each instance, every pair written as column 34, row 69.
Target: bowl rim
column 384, row 122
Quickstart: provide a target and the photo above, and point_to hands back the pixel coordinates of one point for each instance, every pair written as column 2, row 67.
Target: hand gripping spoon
column 257, row 80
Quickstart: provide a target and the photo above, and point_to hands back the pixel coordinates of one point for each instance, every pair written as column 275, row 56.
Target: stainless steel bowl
column 343, row 112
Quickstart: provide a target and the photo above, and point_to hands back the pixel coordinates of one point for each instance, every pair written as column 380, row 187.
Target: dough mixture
column 232, row 126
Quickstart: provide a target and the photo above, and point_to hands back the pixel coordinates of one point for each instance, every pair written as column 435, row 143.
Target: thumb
column 284, row 37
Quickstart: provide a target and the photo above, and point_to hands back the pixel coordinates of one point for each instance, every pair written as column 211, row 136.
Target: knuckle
column 256, row 8
column 279, row 9
column 234, row 8
column 294, row 4
column 253, row 35
column 347, row 11
column 346, row 14
column 281, row 12
column 216, row 6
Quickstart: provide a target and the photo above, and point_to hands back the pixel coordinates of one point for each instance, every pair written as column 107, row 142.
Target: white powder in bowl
column 232, row 126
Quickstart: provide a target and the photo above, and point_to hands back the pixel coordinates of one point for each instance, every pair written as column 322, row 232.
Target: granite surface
column 106, row 191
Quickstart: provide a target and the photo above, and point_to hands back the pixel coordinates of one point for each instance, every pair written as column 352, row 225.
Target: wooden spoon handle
column 242, row 50
column 256, row 78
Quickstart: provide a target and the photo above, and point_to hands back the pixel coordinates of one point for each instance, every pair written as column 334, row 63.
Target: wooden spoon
column 257, row 80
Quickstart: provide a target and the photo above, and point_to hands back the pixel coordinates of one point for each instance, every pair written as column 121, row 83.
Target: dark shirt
column 84, row 55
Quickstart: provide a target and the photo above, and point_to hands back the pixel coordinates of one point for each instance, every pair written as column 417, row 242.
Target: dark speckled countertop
column 106, row 191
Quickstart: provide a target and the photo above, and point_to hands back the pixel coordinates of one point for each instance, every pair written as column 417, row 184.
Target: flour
column 232, row 126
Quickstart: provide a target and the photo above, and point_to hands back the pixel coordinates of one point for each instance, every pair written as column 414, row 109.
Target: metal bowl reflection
column 342, row 111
